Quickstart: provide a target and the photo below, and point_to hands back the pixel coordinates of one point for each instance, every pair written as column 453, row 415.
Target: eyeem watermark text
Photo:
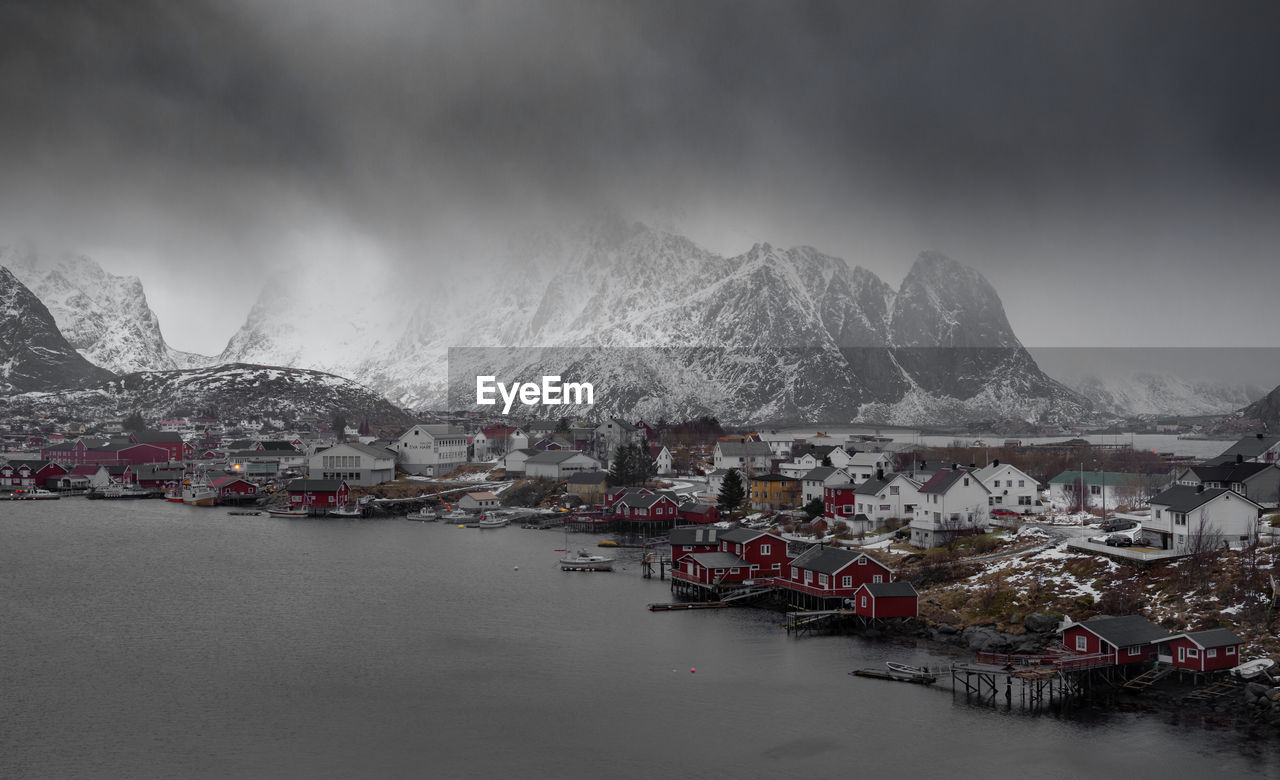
column 550, row 393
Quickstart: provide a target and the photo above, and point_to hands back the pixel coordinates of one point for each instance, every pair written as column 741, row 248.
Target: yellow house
column 774, row 492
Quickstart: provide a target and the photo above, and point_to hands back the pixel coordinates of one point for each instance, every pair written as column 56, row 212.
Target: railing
column 1064, row 663
column 814, row 590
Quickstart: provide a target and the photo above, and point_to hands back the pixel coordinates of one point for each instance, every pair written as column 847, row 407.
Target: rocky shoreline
column 1256, row 705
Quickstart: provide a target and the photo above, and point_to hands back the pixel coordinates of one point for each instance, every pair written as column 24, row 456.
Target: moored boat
column 199, row 495
column 33, row 494
column 491, row 521
column 423, row 516
column 584, row 561
column 288, row 513
column 1252, row 668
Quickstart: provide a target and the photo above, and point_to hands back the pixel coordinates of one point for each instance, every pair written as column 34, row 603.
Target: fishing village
column 1149, row 577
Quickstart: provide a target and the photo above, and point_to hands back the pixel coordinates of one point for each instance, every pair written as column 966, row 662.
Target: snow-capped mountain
column 34, row 355
column 230, row 392
column 105, row 317
column 1145, row 394
column 663, row 326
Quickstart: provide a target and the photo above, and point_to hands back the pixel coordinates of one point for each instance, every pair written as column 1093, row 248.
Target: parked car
column 1118, row 525
column 1119, row 540
column 1002, row 512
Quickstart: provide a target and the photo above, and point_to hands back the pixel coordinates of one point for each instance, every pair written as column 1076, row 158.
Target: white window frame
column 1082, row 643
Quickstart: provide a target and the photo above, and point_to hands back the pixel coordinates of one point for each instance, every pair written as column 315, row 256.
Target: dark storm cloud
column 223, row 125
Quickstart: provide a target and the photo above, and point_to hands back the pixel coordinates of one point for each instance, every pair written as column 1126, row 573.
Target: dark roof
column 742, row 535
column 1186, row 498
column 552, row 457
column 693, row 534
column 1229, row 472
column 890, row 589
column 717, row 560
column 945, row 478
column 755, row 449
column 157, row 437
column 820, row 473
column 774, row 478
column 34, row 465
column 588, row 477
column 641, row 500
column 861, row 518
column 872, row 486
column 828, row 560
column 366, row 449
column 1214, row 637
column 315, row 485
column 1249, row 447
column 1124, row 631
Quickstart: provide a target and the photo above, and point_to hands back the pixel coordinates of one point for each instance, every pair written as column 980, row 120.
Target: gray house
column 355, row 464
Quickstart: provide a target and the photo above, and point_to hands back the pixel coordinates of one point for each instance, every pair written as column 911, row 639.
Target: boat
column 124, row 491
column 917, row 674
column 458, row 516
column 35, row 494
column 490, row 521
column 584, row 561
column 243, row 512
column 288, row 513
column 423, row 516
column 199, row 495
column 347, row 511
column 174, row 494
column 1252, row 668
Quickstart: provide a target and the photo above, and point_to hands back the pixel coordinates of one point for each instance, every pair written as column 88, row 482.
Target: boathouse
column 823, row 577
column 479, row 501
column 321, row 493
column 1121, row 640
column 766, row 553
column 1201, row 651
column 685, row 539
column 886, row 600
column 711, row 569
column 232, row 488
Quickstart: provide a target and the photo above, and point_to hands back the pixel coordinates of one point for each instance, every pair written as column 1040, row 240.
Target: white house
column 810, row 460
column 611, row 434
column 893, row 496
column 863, row 466
column 749, row 457
column 496, row 441
column 355, row 464
column 1258, row 481
column 431, row 450
column 952, row 502
column 1011, row 487
column 781, row 444
column 813, row 481
column 1258, row 448
column 662, row 459
column 1189, row 519
column 478, row 501
column 558, row 464
column 1103, row 489
column 514, row 460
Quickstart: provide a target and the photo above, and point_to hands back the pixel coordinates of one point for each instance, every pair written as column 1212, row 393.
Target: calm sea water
column 147, row 639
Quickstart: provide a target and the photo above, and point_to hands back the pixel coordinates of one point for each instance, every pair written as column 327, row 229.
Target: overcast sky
column 1113, row 168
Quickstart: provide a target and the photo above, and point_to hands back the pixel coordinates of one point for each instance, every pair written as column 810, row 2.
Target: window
column 1133, row 649
column 884, row 507
column 1022, row 483
column 864, row 600
column 1157, row 514
column 764, row 549
column 862, row 561
column 734, row 570
column 966, row 482
column 1095, row 490
column 893, row 490
column 1082, row 643
column 847, row 582
column 878, row 578
column 1193, row 652
column 822, row 580
column 808, row 576
column 1231, row 650
column 848, row 509
column 1182, row 653
column 1211, row 653
column 997, row 483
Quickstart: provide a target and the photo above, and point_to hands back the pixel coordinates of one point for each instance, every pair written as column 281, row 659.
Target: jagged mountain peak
column 34, row 355
column 944, row 303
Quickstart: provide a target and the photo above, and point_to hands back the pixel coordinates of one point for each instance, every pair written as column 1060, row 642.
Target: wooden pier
column 683, row 605
column 925, row 678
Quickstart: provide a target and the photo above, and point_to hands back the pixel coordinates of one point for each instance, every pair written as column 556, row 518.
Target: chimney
column 955, row 466
column 923, row 464
column 1259, row 435
column 973, row 465
column 995, row 462
column 1199, row 488
column 1239, row 458
column 879, row 474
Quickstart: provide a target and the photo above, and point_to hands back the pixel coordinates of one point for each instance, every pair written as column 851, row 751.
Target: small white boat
column 458, row 516
column 346, row 511
column 33, row 494
column 423, row 516
column 288, row 513
column 1252, row 668
column 491, row 521
column 124, row 491
column 584, row 561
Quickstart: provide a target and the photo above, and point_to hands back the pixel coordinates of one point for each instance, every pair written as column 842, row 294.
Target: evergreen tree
column 563, row 425
column 339, row 424
column 826, row 461
column 135, row 423
column 732, row 491
column 644, row 464
column 814, row 508
column 621, row 470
